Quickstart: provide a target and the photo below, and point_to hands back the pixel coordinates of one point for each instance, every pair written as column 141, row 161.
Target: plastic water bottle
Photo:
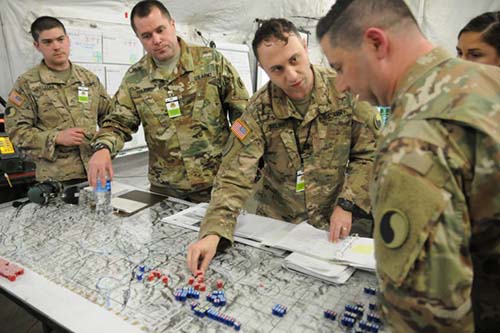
column 103, row 198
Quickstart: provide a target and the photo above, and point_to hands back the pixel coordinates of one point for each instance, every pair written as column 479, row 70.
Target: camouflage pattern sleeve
column 122, row 121
column 235, row 179
column 436, row 200
column 437, row 171
column 104, row 106
column 234, row 95
column 20, row 124
column 366, row 125
column 484, row 194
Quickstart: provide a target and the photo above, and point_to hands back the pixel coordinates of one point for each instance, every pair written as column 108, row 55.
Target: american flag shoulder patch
column 15, row 98
column 240, row 129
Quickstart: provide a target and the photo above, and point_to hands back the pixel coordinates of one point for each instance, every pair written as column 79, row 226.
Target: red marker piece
column 203, row 287
column 198, row 272
column 220, row 284
column 201, row 279
column 9, row 270
column 191, row 280
column 196, row 286
column 151, row 277
column 156, row 273
column 164, row 279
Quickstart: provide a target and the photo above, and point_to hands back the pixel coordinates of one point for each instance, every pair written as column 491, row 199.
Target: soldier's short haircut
column 278, row 28
column 347, row 20
column 488, row 25
column 144, row 8
column 45, row 23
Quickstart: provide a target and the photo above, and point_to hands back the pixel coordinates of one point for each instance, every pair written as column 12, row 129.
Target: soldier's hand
column 340, row 224
column 70, row 137
column 99, row 167
column 204, row 251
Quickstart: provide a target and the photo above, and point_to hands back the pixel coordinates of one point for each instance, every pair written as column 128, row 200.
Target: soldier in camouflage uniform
column 54, row 108
column 316, row 146
column 435, row 193
column 183, row 96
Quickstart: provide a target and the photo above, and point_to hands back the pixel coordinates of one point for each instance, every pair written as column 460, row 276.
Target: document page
column 261, row 228
column 306, row 239
column 321, row 269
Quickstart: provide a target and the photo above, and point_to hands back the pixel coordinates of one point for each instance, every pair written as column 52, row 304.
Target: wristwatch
column 99, row 145
column 346, row 204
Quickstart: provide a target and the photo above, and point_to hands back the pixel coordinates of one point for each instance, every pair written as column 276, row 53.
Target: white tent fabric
column 230, row 21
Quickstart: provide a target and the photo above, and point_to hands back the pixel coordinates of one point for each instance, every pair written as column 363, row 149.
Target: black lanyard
column 304, row 147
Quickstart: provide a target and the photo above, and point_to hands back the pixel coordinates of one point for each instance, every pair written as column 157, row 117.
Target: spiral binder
column 347, row 244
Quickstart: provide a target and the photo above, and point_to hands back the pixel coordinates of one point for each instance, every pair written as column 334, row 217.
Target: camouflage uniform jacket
column 436, row 199
column 334, row 131
column 185, row 151
column 41, row 105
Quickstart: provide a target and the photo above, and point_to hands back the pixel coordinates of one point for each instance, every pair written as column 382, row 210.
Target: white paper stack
column 321, row 269
column 305, row 239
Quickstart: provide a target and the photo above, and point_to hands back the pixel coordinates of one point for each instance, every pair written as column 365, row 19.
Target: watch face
column 346, row 204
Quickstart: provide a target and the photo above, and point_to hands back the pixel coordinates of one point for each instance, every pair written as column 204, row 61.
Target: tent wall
column 230, row 21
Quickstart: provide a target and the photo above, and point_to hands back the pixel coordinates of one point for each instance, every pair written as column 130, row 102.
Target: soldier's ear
column 304, row 43
column 36, row 45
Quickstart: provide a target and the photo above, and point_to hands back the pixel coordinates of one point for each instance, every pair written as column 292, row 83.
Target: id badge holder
column 173, row 108
column 300, row 184
column 83, row 94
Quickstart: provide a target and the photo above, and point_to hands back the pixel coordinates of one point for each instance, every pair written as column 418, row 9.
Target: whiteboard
column 108, row 54
column 114, row 76
column 262, row 77
column 85, row 45
column 237, row 54
column 97, row 69
column 119, row 49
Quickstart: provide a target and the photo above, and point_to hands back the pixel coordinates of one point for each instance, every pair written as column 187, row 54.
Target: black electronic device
column 71, row 193
column 16, row 173
column 42, row 192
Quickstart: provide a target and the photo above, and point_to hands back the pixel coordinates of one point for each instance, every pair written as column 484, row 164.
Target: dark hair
column 273, row 28
column 144, row 8
column 488, row 24
column 347, row 20
column 45, row 23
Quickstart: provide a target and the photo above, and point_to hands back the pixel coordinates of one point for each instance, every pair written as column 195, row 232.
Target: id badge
column 83, row 94
column 300, row 184
column 173, row 108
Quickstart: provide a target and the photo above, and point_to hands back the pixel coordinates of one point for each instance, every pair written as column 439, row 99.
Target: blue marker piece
column 142, row 268
column 351, row 315
column 374, row 317
column 139, row 277
column 359, row 309
column 331, row 314
column 237, row 325
column 346, row 321
column 372, row 306
column 349, row 307
column 370, row 290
